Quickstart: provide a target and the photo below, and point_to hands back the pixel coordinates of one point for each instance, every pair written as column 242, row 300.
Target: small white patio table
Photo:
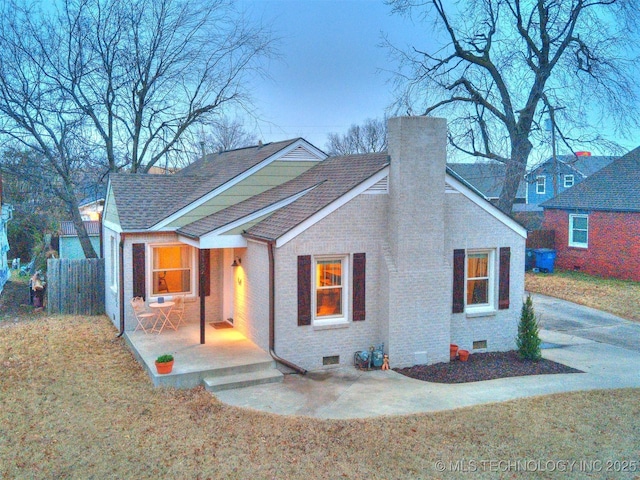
column 164, row 309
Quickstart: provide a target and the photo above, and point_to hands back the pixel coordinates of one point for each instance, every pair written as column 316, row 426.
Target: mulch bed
column 484, row 366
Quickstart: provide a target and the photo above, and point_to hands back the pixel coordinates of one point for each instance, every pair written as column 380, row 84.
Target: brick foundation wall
column 614, row 244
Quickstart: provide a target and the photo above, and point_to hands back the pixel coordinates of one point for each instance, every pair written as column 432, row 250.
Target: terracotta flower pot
column 463, row 355
column 165, row 367
column 453, row 351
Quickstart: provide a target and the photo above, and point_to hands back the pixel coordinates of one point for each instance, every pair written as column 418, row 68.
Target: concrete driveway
column 566, row 317
column 601, row 345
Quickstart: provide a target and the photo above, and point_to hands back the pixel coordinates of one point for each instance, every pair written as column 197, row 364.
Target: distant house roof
column 487, row 177
column 94, row 193
column 164, row 195
column 68, row 229
column 321, row 184
column 613, row 188
column 583, row 166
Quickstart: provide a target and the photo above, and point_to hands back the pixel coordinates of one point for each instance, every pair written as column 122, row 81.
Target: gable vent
column 299, row 154
column 379, row 187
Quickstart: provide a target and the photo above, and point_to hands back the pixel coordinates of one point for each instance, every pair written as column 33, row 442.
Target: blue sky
column 331, row 73
column 328, row 76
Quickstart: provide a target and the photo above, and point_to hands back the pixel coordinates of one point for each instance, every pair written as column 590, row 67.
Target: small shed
column 70, row 243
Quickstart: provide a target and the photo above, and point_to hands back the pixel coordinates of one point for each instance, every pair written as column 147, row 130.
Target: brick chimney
column 419, row 273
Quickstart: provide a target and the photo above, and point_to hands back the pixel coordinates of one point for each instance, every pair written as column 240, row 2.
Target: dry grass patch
column 75, row 404
column 619, row 297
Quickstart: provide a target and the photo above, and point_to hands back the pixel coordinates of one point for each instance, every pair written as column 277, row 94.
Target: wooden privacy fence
column 75, row 287
column 541, row 239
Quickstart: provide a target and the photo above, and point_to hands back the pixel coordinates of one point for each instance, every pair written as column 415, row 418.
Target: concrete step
column 241, row 380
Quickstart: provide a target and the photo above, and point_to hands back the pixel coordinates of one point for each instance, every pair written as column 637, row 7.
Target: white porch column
column 228, row 286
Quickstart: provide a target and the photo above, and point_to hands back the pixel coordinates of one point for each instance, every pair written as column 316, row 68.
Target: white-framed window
column 541, row 184
column 480, row 281
column 579, row 230
column 113, row 271
column 331, row 289
column 568, row 181
column 172, row 269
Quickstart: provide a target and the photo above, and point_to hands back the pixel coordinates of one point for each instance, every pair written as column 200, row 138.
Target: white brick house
column 389, row 248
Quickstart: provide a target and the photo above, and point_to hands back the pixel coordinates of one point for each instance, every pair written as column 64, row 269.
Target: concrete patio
column 345, row 392
column 226, row 360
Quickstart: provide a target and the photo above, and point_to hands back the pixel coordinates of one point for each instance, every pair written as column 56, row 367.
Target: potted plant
column 164, row 363
column 463, row 355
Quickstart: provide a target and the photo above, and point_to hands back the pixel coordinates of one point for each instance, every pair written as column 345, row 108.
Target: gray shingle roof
column 331, row 178
column 143, row 200
column 68, row 229
column 613, row 188
column 228, row 164
column 486, row 177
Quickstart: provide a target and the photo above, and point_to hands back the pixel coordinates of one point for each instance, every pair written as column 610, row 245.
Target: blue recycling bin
column 545, row 259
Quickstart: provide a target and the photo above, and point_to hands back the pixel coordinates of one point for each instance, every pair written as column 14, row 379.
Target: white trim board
column 161, row 225
column 114, row 227
column 219, row 241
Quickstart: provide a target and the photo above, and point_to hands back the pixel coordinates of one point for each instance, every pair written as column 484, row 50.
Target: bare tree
column 37, row 115
column 507, row 64
column 127, row 78
column 366, row 138
column 227, row 135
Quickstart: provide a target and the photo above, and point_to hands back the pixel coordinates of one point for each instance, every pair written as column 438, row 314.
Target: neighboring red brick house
column 597, row 222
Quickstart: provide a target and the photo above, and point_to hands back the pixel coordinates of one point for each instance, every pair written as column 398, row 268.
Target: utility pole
column 553, row 151
column 552, row 119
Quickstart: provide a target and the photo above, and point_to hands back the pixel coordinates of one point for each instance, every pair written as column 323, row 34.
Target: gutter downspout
column 272, row 306
column 272, row 313
column 121, row 282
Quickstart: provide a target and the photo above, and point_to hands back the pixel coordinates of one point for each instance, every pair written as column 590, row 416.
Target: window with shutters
column 477, row 274
column 330, row 284
column 172, row 269
column 579, row 231
column 480, row 280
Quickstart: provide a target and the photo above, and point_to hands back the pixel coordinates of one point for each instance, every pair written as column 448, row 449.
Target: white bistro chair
column 177, row 312
column 145, row 318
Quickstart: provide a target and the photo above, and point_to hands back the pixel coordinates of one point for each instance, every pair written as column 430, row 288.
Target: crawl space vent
column 478, row 344
column 332, row 360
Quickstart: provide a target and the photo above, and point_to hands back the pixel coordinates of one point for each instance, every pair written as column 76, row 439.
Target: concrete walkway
column 349, row 393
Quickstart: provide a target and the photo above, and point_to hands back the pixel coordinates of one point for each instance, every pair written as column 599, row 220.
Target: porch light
column 237, row 261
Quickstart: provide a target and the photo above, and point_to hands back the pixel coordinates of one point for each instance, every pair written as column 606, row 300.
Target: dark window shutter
column 139, row 267
column 304, row 290
column 359, row 286
column 458, row 281
column 205, row 272
column 503, row 281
